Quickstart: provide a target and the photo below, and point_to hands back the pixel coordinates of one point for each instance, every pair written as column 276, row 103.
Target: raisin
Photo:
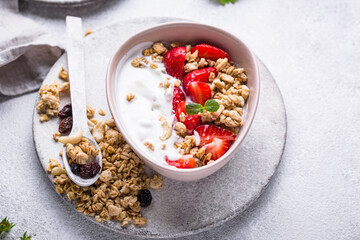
column 66, row 125
column 65, row 112
column 75, row 168
column 144, row 198
column 89, row 170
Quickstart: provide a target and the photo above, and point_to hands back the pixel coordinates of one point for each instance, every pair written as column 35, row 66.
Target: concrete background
column 312, row 49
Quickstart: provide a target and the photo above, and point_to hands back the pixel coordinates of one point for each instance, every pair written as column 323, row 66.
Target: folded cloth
column 27, row 53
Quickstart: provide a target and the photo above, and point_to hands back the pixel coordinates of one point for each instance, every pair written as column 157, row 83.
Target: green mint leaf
column 5, row 225
column 193, row 108
column 25, row 237
column 211, row 105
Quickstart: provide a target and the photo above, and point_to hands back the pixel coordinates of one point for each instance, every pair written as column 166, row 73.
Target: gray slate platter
column 181, row 209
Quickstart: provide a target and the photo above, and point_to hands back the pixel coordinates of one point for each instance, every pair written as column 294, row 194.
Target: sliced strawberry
column 178, row 97
column 186, row 161
column 217, row 148
column 174, row 61
column 199, row 92
column 191, row 121
column 200, row 75
column 210, row 52
column 208, row 133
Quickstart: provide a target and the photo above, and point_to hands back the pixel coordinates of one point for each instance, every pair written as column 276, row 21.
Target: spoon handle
column 75, row 56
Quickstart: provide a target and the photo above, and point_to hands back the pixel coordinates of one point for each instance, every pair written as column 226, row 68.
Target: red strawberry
column 208, row 133
column 186, row 161
column 191, row 121
column 174, row 61
column 178, row 97
column 210, row 52
column 199, row 92
column 217, row 148
column 200, row 75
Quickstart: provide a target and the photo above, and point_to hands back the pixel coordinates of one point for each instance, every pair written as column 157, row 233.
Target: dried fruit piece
column 89, row 170
column 66, row 125
column 174, row 61
column 66, row 111
column 75, row 168
column 210, row 52
column 144, row 198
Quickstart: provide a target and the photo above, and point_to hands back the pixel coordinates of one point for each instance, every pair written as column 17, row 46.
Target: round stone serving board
column 180, row 208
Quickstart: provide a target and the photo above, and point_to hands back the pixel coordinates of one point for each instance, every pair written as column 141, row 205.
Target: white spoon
column 75, row 55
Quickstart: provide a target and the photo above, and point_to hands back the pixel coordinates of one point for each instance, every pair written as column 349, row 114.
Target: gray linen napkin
column 27, row 53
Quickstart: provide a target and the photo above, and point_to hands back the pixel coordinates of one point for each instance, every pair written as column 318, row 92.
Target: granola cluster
column 114, row 196
column 49, row 103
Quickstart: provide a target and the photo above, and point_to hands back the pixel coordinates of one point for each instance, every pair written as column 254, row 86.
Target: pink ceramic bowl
column 192, row 33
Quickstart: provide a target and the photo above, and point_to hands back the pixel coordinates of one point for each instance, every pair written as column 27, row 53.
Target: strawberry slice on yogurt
column 190, row 121
column 185, row 161
column 215, row 140
column 200, row 75
column 178, row 97
column 210, row 52
column 199, row 92
column 174, row 62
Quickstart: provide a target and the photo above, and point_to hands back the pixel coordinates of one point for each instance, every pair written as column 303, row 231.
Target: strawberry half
column 186, row 161
column 178, row 97
column 174, row 61
column 191, row 121
column 208, row 133
column 210, row 52
column 200, row 75
column 199, row 92
column 217, row 148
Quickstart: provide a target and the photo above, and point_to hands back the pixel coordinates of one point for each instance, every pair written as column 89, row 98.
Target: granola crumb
column 63, row 74
column 177, row 83
column 44, row 118
column 88, row 32
column 156, row 182
column 56, row 136
column 139, row 62
column 101, row 112
column 65, row 88
column 163, row 147
column 149, row 145
column 130, row 96
column 90, row 111
column 154, row 65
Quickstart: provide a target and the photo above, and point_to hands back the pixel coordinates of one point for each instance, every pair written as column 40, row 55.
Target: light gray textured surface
column 181, row 209
column 312, row 49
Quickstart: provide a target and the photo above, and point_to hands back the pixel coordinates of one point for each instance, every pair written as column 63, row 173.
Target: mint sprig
column 194, row 108
column 6, row 225
column 25, row 237
column 223, row 2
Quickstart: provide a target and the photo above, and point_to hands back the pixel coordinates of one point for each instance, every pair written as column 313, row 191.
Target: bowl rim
column 245, row 127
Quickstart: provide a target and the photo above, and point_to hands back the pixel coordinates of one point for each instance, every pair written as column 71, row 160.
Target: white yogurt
column 141, row 115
